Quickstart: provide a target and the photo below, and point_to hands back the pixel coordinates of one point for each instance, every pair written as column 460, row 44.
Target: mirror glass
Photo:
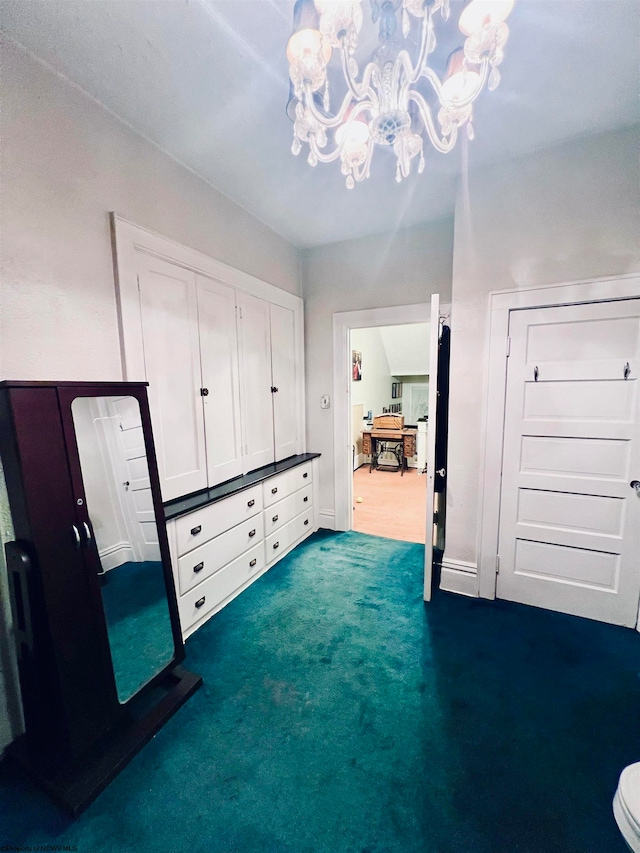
column 116, row 482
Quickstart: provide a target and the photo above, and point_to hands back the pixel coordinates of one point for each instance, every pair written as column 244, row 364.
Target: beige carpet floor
column 393, row 506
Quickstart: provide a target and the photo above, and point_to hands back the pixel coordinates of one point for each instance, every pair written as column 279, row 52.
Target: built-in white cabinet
column 169, row 317
column 284, row 379
column 221, row 548
column 268, row 367
column 224, row 367
column 220, row 379
column 255, row 361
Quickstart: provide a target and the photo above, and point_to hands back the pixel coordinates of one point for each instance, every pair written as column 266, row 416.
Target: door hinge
column 497, row 564
column 508, row 346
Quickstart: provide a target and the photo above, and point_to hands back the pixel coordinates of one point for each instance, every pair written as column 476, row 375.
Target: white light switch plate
column 325, row 401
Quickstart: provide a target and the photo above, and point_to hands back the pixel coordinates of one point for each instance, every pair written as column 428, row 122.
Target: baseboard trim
column 460, row 577
column 359, row 461
column 327, row 519
column 116, row 555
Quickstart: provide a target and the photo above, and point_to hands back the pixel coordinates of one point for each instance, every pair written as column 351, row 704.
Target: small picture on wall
column 356, row 362
column 396, row 390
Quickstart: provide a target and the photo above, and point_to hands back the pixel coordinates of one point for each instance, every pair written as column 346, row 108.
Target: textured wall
column 399, row 268
column 66, row 163
column 561, row 215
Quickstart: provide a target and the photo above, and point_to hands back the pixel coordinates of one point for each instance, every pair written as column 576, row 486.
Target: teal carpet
column 341, row 714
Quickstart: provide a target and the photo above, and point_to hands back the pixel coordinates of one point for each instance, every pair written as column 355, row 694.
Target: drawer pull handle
column 306, row 521
column 305, row 475
column 200, row 601
column 251, row 503
column 252, row 533
column 196, row 530
column 199, row 567
column 274, row 490
column 275, row 518
column 276, row 545
column 306, row 498
column 253, row 562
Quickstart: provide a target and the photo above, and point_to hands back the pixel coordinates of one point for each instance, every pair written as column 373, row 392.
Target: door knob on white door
column 635, row 484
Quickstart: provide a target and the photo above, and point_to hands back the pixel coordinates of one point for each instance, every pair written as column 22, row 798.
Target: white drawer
column 282, row 485
column 211, row 592
column 279, row 514
column 201, row 562
column 279, row 541
column 197, row 527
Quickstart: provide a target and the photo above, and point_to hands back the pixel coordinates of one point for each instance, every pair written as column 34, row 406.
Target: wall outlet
column 325, row 401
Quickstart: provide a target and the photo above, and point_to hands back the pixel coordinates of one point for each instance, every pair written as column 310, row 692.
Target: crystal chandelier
column 391, row 101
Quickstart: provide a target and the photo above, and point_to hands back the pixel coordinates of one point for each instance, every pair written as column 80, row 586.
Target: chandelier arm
column 371, row 70
column 323, row 120
column 441, row 145
column 413, row 74
column 324, row 158
column 432, row 77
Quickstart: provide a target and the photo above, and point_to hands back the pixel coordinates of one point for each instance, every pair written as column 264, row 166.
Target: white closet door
column 172, row 365
column 283, row 371
column 220, row 376
column 255, row 380
column 569, row 518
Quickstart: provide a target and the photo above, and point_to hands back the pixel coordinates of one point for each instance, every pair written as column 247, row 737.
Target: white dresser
column 219, row 548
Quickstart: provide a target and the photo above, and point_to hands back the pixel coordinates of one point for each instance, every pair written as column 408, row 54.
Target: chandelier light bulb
column 461, row 80
column 308, row 44
column 354, row 134
column 388, row 102
column 481, row 13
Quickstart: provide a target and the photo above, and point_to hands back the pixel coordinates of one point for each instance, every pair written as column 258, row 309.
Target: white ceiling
column 207, row 81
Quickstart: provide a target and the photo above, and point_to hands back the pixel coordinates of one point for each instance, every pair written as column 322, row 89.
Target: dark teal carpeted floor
column 340, row 714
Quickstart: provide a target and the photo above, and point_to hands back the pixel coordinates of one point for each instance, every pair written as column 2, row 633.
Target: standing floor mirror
column 98, row 636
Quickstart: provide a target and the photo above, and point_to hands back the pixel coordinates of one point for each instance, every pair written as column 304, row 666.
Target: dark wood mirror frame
column 78, row 735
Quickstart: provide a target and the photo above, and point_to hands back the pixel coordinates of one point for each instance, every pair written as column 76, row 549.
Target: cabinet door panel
column 255, row 370
column 172, row 364
column 283, row 362
column 219, row 361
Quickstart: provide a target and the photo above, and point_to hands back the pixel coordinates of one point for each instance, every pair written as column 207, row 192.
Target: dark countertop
column 180, row 506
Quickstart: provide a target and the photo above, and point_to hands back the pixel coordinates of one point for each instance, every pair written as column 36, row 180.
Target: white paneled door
column 283, row 373
column 570, row 519
column 220, row 379
column 255, row 378
column 169, row 317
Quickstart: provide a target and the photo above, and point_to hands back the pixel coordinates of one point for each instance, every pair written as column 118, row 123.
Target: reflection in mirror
column 116, row 482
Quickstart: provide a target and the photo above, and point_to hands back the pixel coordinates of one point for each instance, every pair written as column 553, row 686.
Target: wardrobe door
column 168, row 309
column 283, row 368
column 220, row 378
column 255, row 379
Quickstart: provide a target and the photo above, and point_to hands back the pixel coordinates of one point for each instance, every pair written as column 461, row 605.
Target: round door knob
column 441, row 472
column 635, row 484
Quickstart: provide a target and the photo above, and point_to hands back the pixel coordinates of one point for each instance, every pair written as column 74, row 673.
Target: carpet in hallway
column 341, row 714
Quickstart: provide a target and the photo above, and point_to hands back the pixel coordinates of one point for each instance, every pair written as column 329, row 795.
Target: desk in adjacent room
column 376, row 441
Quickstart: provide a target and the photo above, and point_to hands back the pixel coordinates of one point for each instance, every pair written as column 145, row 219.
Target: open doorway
column 389, row 418
column 343, row 373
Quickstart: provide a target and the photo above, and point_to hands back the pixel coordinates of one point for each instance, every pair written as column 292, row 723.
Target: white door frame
column 500, row 304
column 343, row 322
